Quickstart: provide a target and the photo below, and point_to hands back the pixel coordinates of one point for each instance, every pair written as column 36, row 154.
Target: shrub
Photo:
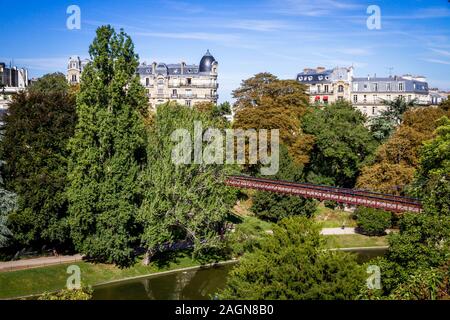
column 66, row 294
column 372, row 221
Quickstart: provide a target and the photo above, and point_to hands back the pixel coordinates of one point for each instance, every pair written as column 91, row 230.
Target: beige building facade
column 367, row 94
column 187, row 84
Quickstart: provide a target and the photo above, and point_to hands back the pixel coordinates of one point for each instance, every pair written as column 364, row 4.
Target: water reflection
column 195, row 284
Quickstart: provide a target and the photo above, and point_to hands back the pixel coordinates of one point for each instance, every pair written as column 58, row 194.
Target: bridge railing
column 379, row 201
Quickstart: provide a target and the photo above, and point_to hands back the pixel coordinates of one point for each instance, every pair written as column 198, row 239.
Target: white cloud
column 315, row 8
column 437, row 61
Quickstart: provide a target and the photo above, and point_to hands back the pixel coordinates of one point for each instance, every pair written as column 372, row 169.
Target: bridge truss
column 341, row 195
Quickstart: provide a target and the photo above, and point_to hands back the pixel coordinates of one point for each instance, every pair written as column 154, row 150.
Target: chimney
column 183, row 64
column 154, row 68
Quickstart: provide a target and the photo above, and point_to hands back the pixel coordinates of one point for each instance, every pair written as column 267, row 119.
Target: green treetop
column 107, row 151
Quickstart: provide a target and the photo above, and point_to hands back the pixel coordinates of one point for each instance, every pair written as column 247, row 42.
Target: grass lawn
column 51, row 278
column 329, row 218
column 354, row 240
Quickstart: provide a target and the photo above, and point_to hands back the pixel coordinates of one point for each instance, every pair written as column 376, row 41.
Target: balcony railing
column 185, row 85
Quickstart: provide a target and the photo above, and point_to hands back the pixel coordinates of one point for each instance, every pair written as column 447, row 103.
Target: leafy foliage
column 433, row 176
column 66, row 294
column 292, row 264
column 37, row 128
column 425, row 284
column 273, row 206
column 396, row 160
column 107, row 151
column 383, row 125
column 265, row 102
column 342, row 144
column 372, row 221
column 246, row 236
column 182, row 201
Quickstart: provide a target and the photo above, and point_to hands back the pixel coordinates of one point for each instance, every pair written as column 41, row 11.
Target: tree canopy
column 107, row 151
column 432, row 182
column 342, row 144
column 273, row 206
column 265, row 102
column 396, row 160
column 186, row 201
column 38, row 126
column 383, row 124
column 292, row 264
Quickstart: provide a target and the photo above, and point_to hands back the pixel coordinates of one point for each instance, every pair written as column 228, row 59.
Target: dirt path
column 37, row 262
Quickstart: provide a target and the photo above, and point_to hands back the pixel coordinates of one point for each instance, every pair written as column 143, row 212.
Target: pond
column 198, row 284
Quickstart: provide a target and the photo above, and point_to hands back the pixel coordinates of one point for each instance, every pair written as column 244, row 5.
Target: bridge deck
column 342, row 195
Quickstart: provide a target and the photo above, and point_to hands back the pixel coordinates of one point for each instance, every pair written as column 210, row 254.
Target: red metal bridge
column 342, row 195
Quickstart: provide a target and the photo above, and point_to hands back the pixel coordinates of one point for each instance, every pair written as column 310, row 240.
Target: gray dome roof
column 206, row 62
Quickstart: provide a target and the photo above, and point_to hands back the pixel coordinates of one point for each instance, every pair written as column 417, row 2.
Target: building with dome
column 187, row 84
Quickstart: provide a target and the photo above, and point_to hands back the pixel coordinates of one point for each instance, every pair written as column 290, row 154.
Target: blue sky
column 246, row 37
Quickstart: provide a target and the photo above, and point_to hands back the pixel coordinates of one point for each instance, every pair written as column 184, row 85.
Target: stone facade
column 369, row 93
column 12, row 80
column 366, row 94
column 187, row 84
column 327, row 85
column 75, row 68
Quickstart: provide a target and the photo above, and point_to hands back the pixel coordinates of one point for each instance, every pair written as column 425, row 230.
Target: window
column 375, row 87
column 365, row 85
column 375, row 98
column 187, row 103
column 373, row 110
column 160, row 81
column 318, row 88
column 340, row 88
column 400, row 86
column 74, row 78
column 325, row 88
column 188, row 92
column 355, row 98
column 355, row 87
column 174, row 92
column 365, row 98
column 147, row 82
column 188, row 81
column 388, row 86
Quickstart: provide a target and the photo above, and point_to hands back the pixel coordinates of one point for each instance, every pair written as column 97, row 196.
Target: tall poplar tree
column 108, row 150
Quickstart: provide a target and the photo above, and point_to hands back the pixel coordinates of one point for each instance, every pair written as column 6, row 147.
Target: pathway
column 37, row 262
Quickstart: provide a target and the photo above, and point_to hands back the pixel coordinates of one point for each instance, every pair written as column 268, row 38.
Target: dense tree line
column 38, row 126
column 394, row 165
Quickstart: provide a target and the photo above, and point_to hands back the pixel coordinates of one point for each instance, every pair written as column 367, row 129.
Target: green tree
column 432, row 182
column 274, row 207
column 266, row 102
column 397, row 159
column 50, row 83
column 342, row 144
column 422, row 243
column 8, row 202
column 372, row 221
column 383, row 125
column 292, row 264
column 187, row 201
column 37, row 128
column 107, row 151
